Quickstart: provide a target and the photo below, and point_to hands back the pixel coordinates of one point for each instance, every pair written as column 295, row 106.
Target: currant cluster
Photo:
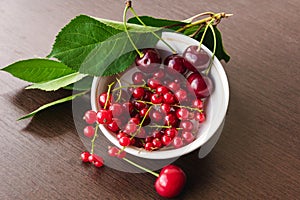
column 163, row 105
column 92, row 158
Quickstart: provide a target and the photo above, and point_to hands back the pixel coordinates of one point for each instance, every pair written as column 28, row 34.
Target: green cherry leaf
column 60, row 82
column 116, row 54
column 78, row 38
column 69, row 98
column 38, row 70
column 156, row 22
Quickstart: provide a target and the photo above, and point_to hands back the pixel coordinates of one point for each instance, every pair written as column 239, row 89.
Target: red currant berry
column 156, row 98
column 153, row 83
column 170, row 119
column 121, row 134
column 156, row 116
column 85, row 156
column 166, row 140
column 171, row 132
column 156, row 134
column 128, row 107
column 198, row 103
column 138, row 93
column 141, row 133
column 182, row 113
column 139, row 105
column 113, row 151
column 134, row 120
column 157, row 143
column 121, row 154
column 200, row 117
column 138, row 78
column 187, row 125
column 165, row 108
column 144, row 112
column 177, row 142
column 181, row 95
column 130, row 128
column 124, row 141
column 98, row 164
column 159, row 74
column 149, row 146
column 104, row 116
column 147, row 96
column 169, row 98
column 103, row 99
column 162, row 89
column 174, row 86
column 89, row 131
column 90, row 116
column 149, row 139
column 114, row 125
column 188, row 136
column 116, row 109
column 149, row 62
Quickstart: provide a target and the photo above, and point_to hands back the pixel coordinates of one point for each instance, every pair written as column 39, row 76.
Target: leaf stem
column 128, row 5
column 157, row 36
column 140, row 167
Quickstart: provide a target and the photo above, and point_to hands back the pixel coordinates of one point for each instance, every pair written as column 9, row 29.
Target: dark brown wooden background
column 257, row 156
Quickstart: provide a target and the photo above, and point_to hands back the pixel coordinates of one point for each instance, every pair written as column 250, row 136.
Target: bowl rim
column 172, row 153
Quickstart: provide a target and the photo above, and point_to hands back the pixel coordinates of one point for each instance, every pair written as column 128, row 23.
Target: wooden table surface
column 257, row 156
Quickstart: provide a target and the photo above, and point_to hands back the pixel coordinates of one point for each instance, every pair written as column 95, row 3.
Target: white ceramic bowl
column 215, row 111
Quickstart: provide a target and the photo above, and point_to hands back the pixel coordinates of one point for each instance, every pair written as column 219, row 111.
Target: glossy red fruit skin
column 138, row 93
column 153, row 83
column 182, row 113
column 199, row 59
column 113, row 126
column 104, row 116
column 171, row 120
column 156, row 98
column 89, row 131
column 124, row 141
column 159, row 74
column 90, row 117
column 102, row 99
column 166, row 140
column 170, row 182
column 199, row 85
column 117, row 109
column 138, row 78
column 169, row 98
column 85, row 156
column 150, row 61
column 175, row 64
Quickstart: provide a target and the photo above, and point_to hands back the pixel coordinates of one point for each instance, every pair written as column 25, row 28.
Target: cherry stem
column 108, row 94
column 128, row 5
column 94, row 139
column 140, row 167
column 204, row 33
column 214, row 50
column 157, row 36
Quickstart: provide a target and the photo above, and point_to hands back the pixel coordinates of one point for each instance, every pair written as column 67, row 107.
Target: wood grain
column 257, row 156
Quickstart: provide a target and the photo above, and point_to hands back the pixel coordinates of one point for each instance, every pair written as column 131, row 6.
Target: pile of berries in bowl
column 164, row 105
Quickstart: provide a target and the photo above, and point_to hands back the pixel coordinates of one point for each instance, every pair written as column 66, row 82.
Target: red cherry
column 200, row 85
column 104, row 116
column 175, row 64
column 90, row 116
column 85, row 156
column 170, row 182
column 89, row 131
column 150, row 61
column 197, row 57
